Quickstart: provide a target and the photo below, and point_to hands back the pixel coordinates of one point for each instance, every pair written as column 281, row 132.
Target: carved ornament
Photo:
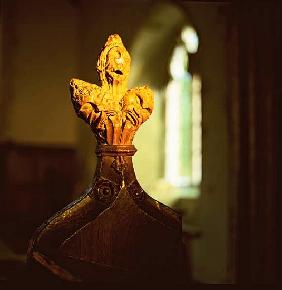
column 113, row 111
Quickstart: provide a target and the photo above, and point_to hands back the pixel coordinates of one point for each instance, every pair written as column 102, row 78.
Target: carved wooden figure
column 115, row 231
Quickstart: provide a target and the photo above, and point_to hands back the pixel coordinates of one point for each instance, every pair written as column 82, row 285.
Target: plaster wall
column 211, row 253
column 39, row 57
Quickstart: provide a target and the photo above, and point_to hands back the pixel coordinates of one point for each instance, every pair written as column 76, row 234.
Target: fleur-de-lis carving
column 113, row 111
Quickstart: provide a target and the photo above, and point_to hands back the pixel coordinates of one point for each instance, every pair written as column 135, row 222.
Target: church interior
column 210, row 150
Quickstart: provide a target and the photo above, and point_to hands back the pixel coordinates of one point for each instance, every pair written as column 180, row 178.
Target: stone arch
column 152, row 46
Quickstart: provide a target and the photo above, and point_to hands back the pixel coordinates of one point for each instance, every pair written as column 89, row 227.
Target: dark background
column 47, row 155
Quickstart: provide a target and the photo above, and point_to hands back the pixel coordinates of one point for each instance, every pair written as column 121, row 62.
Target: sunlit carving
column 113, row 112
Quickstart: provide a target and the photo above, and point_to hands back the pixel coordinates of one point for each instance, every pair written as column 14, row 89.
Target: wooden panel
column 36, row 180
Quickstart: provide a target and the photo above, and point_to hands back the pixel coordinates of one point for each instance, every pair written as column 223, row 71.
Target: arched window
column 183, row 145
